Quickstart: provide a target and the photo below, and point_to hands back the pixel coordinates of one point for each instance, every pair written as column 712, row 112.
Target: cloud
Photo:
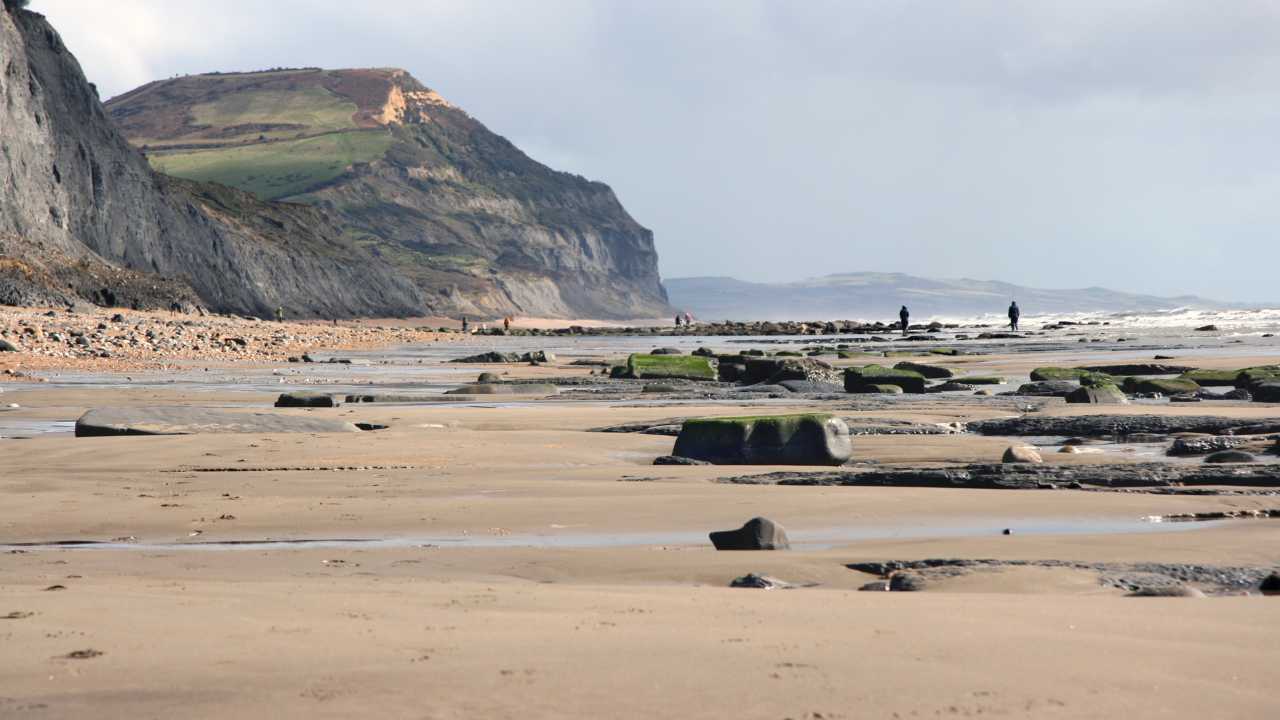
column 1056, row 144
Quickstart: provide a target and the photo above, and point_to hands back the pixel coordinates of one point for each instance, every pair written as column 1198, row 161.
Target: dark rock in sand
column 813, row 439
column 906, row 582
column 875, row 586
column 192, row 420
column 1230, row 456
column 1203, row 445
column 949, row 386
column 1270, row 585
column 505, row 389
column 666, row 351
column 775, row 370
column 677, row 460
column 493, row 356
column 759, row 582
column 488, row 377
column 307, row 399
column 1267, row 392
column 757, row 534
column 810, row 387
column 6, row 346
column 1207, row 328
column 1167, row 591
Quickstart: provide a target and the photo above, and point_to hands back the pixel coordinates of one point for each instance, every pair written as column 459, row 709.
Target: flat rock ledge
column 1108, row 425
column 1029, row 477
column 101, row 422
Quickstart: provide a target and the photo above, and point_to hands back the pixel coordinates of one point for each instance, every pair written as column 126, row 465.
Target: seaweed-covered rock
column 670, row 367
column 1047, row 388
column 757, row 534
column 814, row 439
column 1099, row 395
column 1128, row 369
column 981, row 380
column 1230, row 456
column 1162, row 386
column 948, row 386
column 860, row 377
column 307, row 399
column 1251, row 377
column 1058, row 373
column 1211, row 378
column 933, row 372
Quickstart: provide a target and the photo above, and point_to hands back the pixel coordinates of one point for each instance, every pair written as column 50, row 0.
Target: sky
column 1130, row 145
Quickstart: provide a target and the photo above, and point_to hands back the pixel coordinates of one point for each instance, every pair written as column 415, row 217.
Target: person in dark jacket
column 905, row 316
column 1014, row 314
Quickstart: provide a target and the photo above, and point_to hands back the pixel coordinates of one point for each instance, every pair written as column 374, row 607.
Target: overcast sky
column 1124, row 144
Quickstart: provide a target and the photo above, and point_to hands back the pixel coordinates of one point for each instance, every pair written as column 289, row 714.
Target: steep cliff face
column 80, row 206
column 478, row 226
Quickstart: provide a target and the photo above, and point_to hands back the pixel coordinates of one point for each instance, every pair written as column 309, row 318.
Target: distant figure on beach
column 905, row 316
column 688, row 319
column 1014, row 314
column 464, row 323
column 677, row 319
column 279, row 314
column 506, row 324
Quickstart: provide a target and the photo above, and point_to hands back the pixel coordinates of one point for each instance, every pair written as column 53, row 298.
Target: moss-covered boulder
column 859, row 377
column 944, row 351
column 1162, row 386
column 665, row 367
column 1211, row 378
column 1098, row 395
column 933, row 372
column 1251, row 377
column 814, row 439
column 1063, row 373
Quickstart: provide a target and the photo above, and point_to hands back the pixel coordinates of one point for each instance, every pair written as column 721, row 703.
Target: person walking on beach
column 905, row 316
column 506, row 324
column 688, row 319
column 279, row 314
column 1014, row 314
column 464, row 323
column 677, row 319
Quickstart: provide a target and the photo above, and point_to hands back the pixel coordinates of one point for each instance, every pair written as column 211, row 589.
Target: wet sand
column 530, row 568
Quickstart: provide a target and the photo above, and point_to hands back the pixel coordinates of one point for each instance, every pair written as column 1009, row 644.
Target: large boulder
column 774, row 370
column 860, row 377
column 176, row 420
column 1047, row 388
column 1099, row 395
column 757, row 534
column 307, row 399
column 766, row 440
column 1128, row 369
column 669, row 367
column 1251, row 377
column 933, row 372
column 1042, row 374
column 1211, row 378
column 1268, row 392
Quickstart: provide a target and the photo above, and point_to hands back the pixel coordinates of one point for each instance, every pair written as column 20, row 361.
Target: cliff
column 82, row 214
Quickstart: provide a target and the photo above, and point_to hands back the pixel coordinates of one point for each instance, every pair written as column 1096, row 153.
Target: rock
column 505, row 389
column 1047, row 388
column 776, row 370
column 489, row 378
column 949, row 386
column 1237, row 394
column 669, row 367
column 1203, row 445
column 676, row 460
column 1022, row 454
column 1267, row 392
column 861, row 377
column 1270, row 584
column 761, row 582
column 538, row 357
column 1230, row 456
column 307, row 399
column 875, row 586
column 492, row 356
column 1124, row 425
column 1211, row 378
column 981, row 380
column 1043, row 374
column 666, row 351
column 1207, row 328
column 810, row 387
column 1138, row 369
column 757, row 534
column 1171, row 386
column 1100, row 395
column 933, row 372
column 704, row 352
column 1069, row 450
column 906, row 582
column 175, row 420
column 1167, row 591
column 6, row 346
column 766, row 440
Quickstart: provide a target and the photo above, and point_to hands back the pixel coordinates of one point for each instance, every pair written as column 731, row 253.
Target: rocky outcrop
column 767, row 440
column 77, row 200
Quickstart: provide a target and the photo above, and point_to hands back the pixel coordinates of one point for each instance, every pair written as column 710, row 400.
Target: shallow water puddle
column 809, row 539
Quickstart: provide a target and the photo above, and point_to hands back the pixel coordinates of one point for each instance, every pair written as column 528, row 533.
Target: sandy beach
column 495, row 557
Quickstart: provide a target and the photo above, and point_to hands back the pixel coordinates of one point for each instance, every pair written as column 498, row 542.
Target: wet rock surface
column 180, row 420
column 757, row 534
column 1030, row 477
column 1112, row 425
column 1133, row 577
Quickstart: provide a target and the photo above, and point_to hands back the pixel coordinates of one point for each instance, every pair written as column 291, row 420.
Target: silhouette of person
column 464, row 323
column 905, row 316
column 678, row 318
column 1014, row 314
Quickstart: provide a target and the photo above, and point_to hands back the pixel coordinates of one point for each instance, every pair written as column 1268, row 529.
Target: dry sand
column 453, row 624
